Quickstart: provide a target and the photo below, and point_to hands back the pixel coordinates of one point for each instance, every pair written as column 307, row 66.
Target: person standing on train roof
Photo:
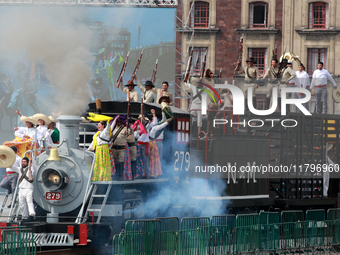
column 319, row 81
column 130, row 91
column 42, row 128
column 119, row 141
column 53, row 130
column 163, row 92
column 100, row 145
column 148, row 96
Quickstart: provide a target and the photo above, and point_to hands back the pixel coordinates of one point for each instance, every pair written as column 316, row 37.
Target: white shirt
column 161, row 136
column 320, row 78
column 43, row 133
column 105, row 134
column 295, row 81
column 303, row 79
column 17, row 163
column 24, row 184
column 144, row 138
column 25, row 131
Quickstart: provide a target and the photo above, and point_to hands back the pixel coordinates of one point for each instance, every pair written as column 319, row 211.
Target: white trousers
column 26, row 198
column 198, row 114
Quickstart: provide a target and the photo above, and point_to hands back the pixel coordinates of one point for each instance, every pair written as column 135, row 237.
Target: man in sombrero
column 148, row 96
column 130, row 91
column 118, row 144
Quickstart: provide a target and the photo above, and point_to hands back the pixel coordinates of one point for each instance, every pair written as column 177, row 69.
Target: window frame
column 251, row 52
column 251, row 15
column 325, row 13
column 312, row 65
column 204, row 6
column 201, row 50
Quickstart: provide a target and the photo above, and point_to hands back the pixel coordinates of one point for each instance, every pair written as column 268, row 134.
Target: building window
column 260, row 102
column 198, row 58
column 260, row 55
column 318, row 15
column 201, row 15
column 258, row 15
column 315, row 56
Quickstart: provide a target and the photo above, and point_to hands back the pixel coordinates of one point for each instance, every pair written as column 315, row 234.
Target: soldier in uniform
column 148, row 96
column 287, row 75
column 7, row 96
column 164, row 92
column 272, row 74
column 130, row 91
column 251, row 74
column 133, row 150
column 118, row 145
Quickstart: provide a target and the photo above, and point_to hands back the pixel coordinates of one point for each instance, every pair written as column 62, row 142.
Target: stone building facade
column 307, row 28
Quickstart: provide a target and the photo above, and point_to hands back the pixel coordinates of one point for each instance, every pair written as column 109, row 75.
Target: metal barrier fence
column 17, row 240
column 247, row 233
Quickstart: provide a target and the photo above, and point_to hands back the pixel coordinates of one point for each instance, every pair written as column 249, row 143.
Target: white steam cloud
column 60, row 40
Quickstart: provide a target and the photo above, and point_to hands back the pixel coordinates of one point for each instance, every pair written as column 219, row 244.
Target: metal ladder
column 94, row 195
column 14, row 211
column 4, row 204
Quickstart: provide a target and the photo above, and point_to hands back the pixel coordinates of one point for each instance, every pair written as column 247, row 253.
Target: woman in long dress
column 100, row 145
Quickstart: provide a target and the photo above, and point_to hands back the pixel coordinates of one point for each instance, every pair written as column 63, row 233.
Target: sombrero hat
column 130, row 83
column 149, row 83
column 52, row 119
column 251, row 60
column 40, row 116
column 24, row 119
column 7, row 156
column 140, row 117
column 162, row 98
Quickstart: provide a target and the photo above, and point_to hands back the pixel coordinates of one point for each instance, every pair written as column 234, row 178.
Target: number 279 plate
column 53, row 196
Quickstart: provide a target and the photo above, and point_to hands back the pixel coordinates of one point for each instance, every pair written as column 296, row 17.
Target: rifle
column 123, row 70
column 137, row 67
column 153, row 79
column 275, row 52
column 187, row 71
column 220, row 75
column 280, row 64
column 240, row 54
column 203, row 67
column 127, row 113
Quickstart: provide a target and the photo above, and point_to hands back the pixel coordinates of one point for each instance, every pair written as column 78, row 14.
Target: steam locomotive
column 72, row 209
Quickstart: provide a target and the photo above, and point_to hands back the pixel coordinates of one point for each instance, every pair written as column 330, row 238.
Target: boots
column 267, row 103
column 133, row 169
column 254, row 102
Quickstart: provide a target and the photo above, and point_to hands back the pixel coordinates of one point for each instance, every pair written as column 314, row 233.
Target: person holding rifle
column 272, row 74
column 119, row 140
column 130, row 91
column 148, row 96
column 163, row 92
column 251, row 74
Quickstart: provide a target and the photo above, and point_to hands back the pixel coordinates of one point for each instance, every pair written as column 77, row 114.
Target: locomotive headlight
column 54, row 179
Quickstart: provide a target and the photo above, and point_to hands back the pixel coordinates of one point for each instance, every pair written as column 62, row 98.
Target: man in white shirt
column 25, row 172
column 319, row 81
column 9, row 182
column 304, row 82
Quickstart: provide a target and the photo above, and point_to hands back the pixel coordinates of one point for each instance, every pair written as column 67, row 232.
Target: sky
column 157, row 24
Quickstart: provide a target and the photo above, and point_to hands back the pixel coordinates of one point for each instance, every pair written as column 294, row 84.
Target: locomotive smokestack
column 69, row 129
